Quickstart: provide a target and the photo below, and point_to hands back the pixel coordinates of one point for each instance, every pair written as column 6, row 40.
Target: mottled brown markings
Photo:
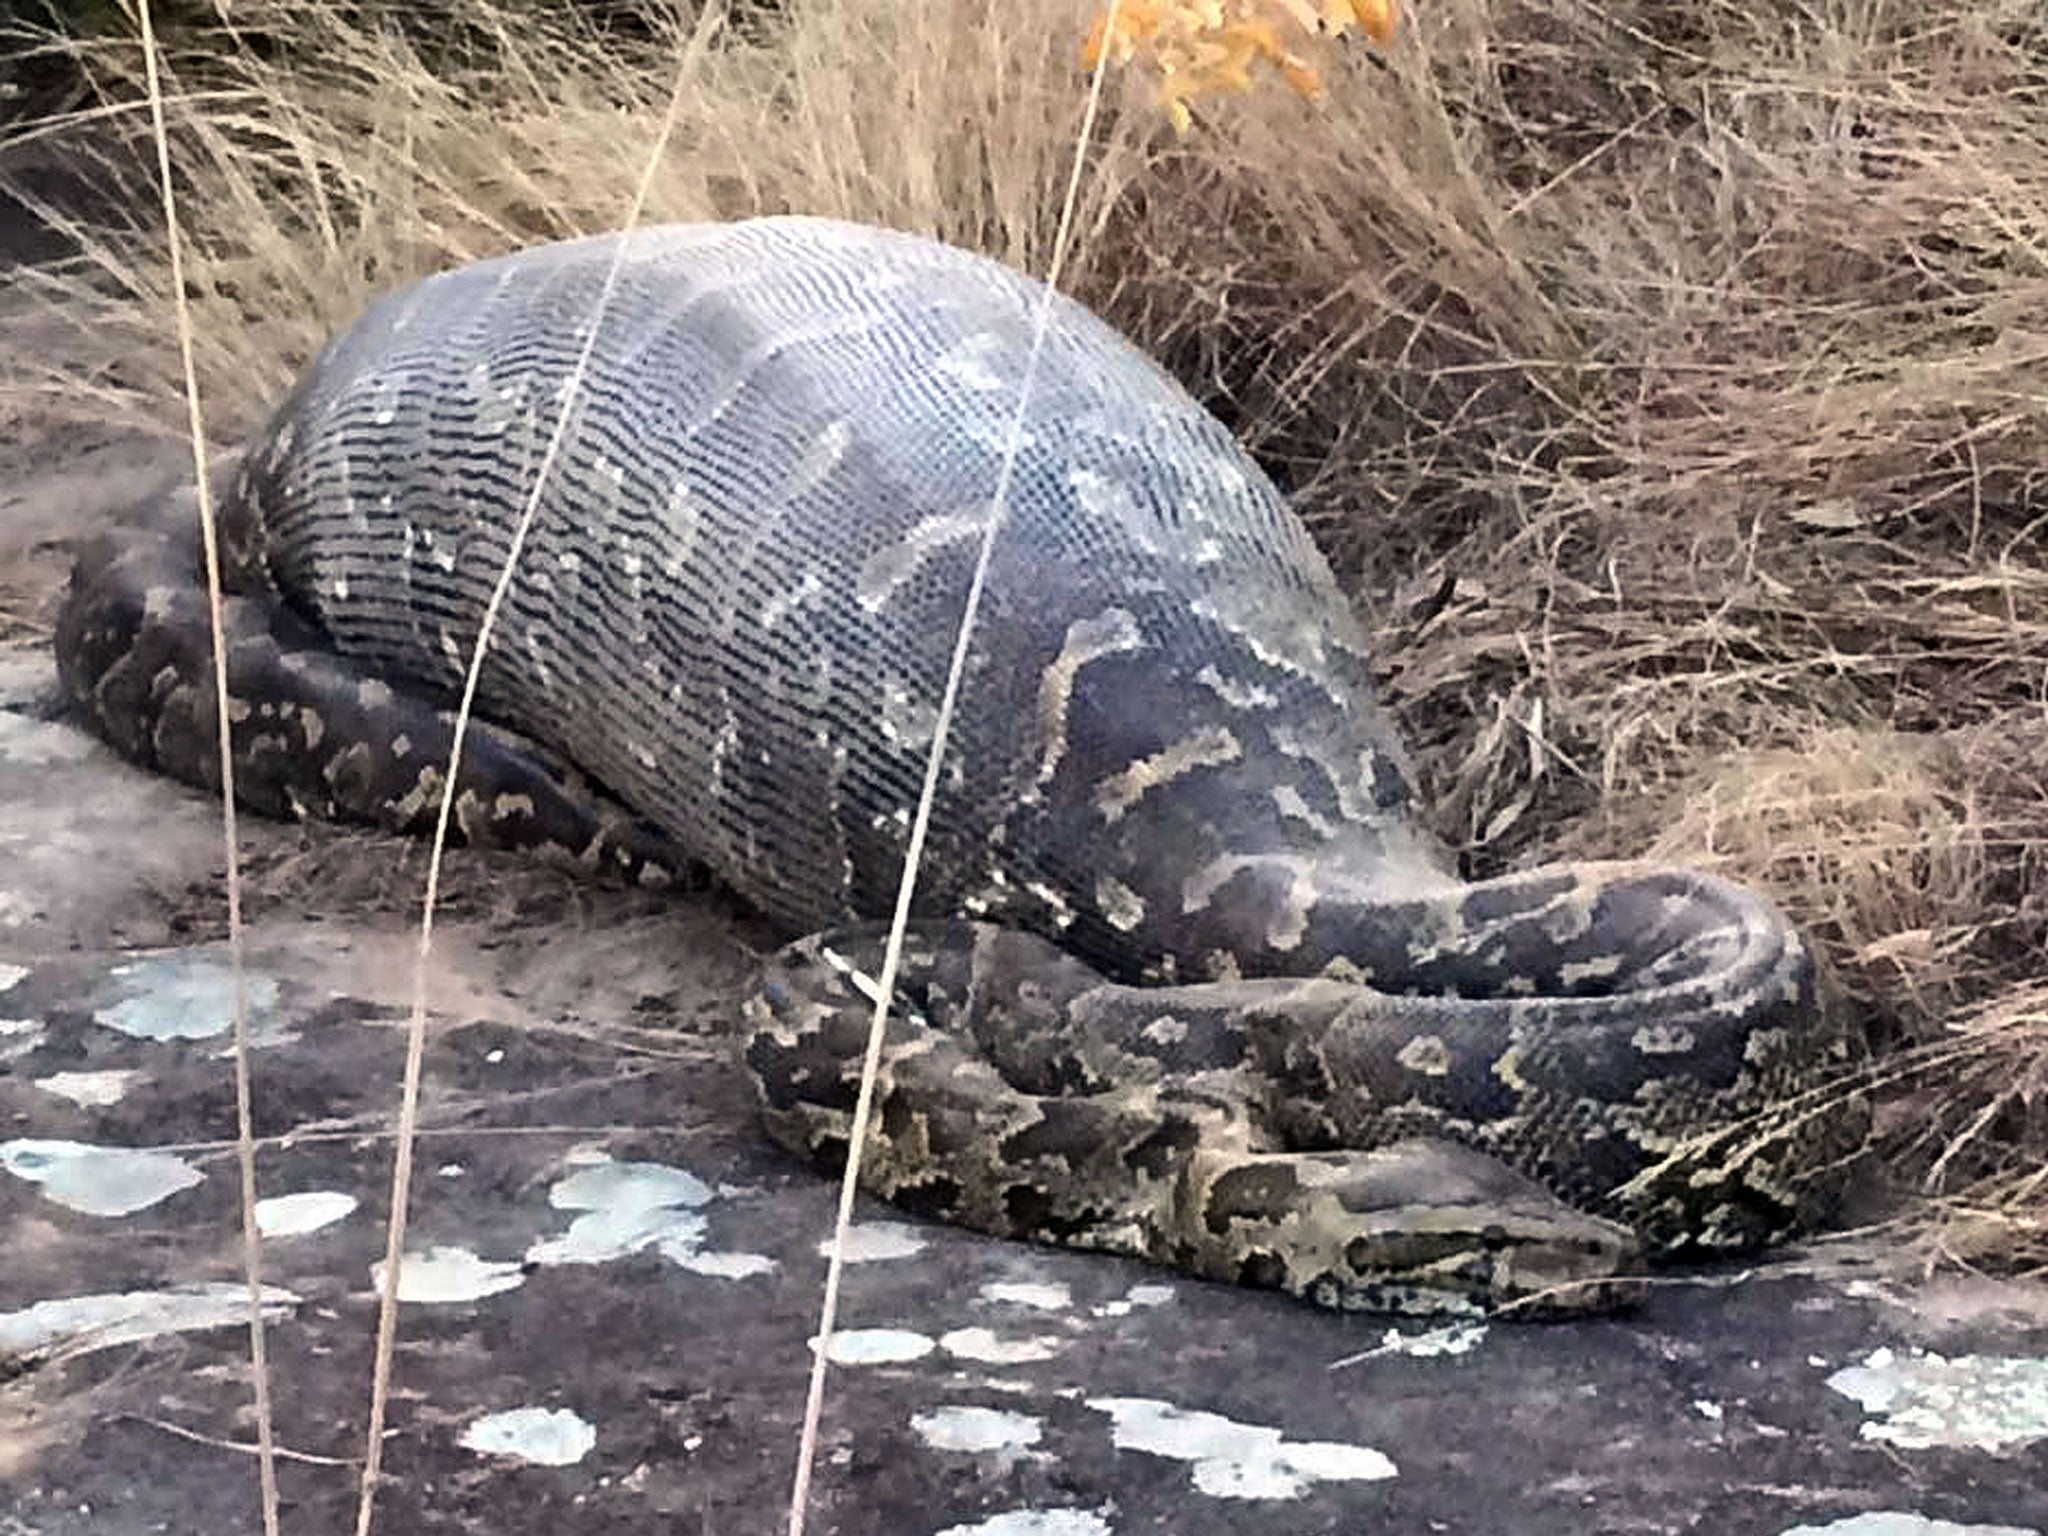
column 780, row 605
column 159, row 604
column 966, row 364
column 1166, row 1030
column 684, row 521
column 1290, row 920
column 1053, row 900
column 906, row 717
column 1426, row 1055
column 1212, row 747
column 1252, row 1191
column 1110, row 505
column 1121, row 907
column 889, row 569
column 1238, row 694
column 822, row 457
column 1292, row 649
column 1289, row 802
column 1353, row 807
column 417, row 802
column 1112, row 632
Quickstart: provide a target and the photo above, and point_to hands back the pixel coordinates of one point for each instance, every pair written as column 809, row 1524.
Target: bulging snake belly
column 1188, row 980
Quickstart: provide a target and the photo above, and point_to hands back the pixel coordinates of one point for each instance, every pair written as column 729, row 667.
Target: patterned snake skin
column 1188, row 982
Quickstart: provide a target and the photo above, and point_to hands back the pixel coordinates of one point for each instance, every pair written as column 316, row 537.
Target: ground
column 606, row 1323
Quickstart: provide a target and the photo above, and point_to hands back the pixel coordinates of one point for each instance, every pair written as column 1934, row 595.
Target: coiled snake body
column 1187, row 981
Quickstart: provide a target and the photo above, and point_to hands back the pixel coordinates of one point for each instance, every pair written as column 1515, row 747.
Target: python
column 1190, row 980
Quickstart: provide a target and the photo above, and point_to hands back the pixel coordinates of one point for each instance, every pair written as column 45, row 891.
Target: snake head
column 1419, row 1226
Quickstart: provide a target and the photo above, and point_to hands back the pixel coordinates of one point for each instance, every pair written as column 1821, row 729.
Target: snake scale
column 1187, row 981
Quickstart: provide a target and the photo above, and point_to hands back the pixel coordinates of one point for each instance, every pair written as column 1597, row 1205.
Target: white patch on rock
column 977, row 1429
column 721, row 1265
column 446, row 1275
column 990, row 1348
column 598, row 1237
column 627, row 1207
column 871, row 1242
column 99, row 1181
column 85, row 1323
column 12, row 976
column 1137, row 1296
column 1891, row 1522
column 1236, row 1461
column 39, row 744
column 1041, row 1298
column 876, row 1346
column 1036, row 1522
column 546, row 1437
column 182, row 995
column 307, row 1211
column 1978, row 1402
column 93, row 1090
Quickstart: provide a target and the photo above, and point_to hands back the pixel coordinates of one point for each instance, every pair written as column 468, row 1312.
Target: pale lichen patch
column 964, row 1427
column 1230, row 1460
column 98, row 1181
column 542, row 1437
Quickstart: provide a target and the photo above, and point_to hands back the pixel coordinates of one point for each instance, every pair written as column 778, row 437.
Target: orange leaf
column 1379, row 19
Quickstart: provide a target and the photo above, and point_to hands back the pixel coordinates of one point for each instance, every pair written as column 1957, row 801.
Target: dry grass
column 1667, row 376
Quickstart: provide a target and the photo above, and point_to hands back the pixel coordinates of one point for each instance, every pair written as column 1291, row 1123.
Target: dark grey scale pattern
column 740, row 590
